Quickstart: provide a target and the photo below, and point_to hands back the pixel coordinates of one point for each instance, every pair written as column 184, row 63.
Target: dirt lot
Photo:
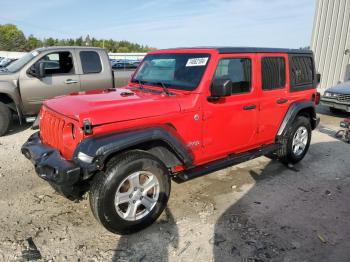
column 256, row 211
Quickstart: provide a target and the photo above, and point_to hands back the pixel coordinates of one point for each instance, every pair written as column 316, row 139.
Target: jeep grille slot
column 51, row 129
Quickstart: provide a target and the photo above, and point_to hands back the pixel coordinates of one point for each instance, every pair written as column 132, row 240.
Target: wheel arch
column 304, row 108
column 160, row 142
column 8, row 100
column 12, row 102
column 157, row 148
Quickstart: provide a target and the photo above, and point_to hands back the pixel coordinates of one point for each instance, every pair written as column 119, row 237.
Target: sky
column 168, row 23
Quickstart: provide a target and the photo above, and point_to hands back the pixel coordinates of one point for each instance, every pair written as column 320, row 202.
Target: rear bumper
column 62, row 174
column 335, row 104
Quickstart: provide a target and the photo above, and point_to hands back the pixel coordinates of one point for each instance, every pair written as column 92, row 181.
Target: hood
column 115, row 105
column 343, row 88
column 5, row 75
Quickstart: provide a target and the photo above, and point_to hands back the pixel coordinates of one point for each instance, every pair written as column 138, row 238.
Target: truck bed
column 121, row 77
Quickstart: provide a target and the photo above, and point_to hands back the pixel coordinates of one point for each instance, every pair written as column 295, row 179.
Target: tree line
column 13, row 39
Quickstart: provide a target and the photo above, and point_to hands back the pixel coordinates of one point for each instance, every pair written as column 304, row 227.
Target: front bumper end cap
column 50, row 166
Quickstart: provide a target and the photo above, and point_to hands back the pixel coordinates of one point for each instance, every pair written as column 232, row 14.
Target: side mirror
column 40, row 69
column 37, row 70
column 318, row 78
column 220, row 88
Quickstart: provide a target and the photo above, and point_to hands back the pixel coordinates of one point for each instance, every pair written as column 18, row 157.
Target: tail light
column 316, row 98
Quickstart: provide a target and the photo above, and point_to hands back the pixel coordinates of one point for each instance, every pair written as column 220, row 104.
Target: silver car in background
column 337, row 98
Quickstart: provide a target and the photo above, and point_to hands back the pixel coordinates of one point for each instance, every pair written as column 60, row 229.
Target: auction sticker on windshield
column 199, row 61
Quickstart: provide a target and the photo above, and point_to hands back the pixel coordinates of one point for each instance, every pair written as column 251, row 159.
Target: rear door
column 94, row 69
column 274, row 101
column 230, row 124
column 60, row 78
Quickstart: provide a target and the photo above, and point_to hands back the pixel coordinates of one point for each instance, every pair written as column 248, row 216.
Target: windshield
column 17, row 65
column 178, row 71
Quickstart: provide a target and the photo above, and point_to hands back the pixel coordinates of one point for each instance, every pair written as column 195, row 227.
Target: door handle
column 70, row 81
column 282, row 101
column 249, row 107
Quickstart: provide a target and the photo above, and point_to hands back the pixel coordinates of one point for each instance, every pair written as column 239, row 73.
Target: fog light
column 85, row 158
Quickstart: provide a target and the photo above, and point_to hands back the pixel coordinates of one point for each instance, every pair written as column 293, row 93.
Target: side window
column 90, row 62
column 302, row 71
column 273, row 71
column 238, row 70
column 58, row 63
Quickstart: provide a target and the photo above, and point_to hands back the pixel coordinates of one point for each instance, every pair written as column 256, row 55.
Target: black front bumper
column 63, row 175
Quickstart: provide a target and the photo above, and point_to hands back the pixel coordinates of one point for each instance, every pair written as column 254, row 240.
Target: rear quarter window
column 302, row 74
column 90, row 62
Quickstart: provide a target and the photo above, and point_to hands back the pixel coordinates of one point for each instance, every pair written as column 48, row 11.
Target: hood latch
column 87, row 127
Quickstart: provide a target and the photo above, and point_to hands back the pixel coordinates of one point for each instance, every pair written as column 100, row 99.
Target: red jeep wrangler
column 185, row 113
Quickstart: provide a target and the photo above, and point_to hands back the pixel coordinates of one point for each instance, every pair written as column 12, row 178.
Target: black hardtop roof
column 228, row 49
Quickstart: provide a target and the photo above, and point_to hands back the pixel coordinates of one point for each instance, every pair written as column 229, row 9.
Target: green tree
column 123, row 49
column 33, row 42
column 70, row 41
column 11, row 38
column 49, row 41
column 87, row 41
column 79, row 41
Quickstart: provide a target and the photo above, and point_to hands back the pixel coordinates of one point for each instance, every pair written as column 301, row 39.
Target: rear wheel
column 5, row 119
column 132, row 192
column 296, row 143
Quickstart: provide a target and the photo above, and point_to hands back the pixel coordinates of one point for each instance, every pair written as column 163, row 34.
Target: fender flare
column 101, row 147
column 292, row 113
column 10, row 90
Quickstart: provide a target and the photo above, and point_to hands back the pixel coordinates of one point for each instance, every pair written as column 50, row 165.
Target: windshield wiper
column 140, row 83
column 165, row 88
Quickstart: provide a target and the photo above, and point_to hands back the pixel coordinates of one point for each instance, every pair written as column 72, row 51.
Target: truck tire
column 297, row 141
column 5, row 119
column 132, row 192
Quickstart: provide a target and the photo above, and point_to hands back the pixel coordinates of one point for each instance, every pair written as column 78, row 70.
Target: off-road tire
column 5, row 119
column 285, row 154
column 105, row 185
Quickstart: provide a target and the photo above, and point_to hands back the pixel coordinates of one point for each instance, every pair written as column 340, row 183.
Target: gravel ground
column 257, row 211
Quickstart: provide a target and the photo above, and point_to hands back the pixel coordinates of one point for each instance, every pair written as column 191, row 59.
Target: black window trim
column 285, row 73
column 302, row 87
column 251, row 89
column 99, row 57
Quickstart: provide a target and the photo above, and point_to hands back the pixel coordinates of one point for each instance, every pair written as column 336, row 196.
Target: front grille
column 51, row 129
column 343, row 98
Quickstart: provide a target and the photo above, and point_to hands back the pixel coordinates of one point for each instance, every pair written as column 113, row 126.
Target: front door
column 60, row 79
column 229, row 124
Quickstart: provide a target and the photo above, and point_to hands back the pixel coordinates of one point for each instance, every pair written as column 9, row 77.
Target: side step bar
column 224, row 163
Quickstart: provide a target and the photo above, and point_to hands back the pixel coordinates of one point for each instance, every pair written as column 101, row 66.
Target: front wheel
column 296, row 143
column 132, row 192
column 5, row 119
